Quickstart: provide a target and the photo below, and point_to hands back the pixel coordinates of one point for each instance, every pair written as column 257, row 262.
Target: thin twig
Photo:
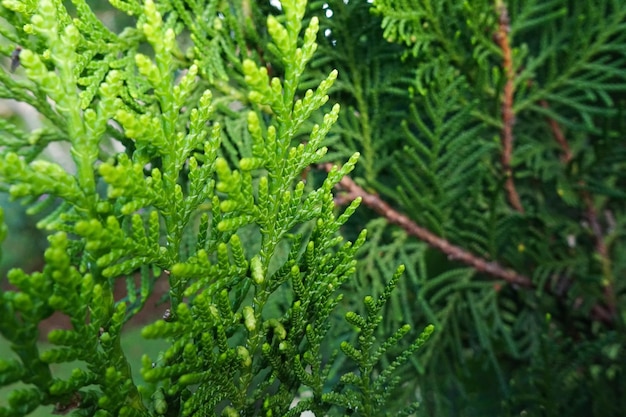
column 558, row 135
column 353, row 191
column 602, row 250
column 596, row 229
column 508, row 116
column 454, row 252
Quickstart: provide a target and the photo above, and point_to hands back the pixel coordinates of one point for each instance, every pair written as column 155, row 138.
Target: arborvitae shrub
column 492, row 161
column 185, row 133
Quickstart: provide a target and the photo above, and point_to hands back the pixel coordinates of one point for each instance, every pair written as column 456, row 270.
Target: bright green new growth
column 251, row 252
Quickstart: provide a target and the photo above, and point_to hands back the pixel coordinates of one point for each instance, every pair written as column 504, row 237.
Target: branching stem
column 454, row 252
column 508, row 116
column 592, row 217
column 558, row 135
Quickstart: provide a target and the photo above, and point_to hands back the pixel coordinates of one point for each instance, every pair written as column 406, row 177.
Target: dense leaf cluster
column 433, row 92
column 491, row 151
column 188, row 168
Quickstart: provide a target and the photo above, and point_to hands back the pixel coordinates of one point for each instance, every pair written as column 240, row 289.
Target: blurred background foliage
column 25, row 243
column 429, row 92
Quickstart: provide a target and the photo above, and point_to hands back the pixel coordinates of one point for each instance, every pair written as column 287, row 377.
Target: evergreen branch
column 453, row 251
column 193, row 158
column 602, row 250
column 557, row 132
column 596, row 229
column 508, row 117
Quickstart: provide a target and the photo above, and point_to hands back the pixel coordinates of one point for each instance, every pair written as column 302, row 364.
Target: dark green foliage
column 430, row 129
column 586, row 381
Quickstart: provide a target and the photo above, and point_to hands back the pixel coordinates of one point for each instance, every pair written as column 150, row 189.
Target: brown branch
column 558, row 135
column 508, row 116
column 602, row 250
column 602, row 313
column 454, row 252
column 374, row 202
column 606, row 314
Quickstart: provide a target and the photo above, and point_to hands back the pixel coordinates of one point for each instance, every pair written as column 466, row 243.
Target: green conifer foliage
column 491, row 165
column 492, row 157
column 206, row 192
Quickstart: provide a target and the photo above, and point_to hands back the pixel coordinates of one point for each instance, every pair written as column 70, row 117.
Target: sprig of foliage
column 359, row 389
column 252, row 254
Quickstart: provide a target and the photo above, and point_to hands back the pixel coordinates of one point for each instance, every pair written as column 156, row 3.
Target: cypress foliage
column 492, row 159
column 206, row 192
column 491, row 166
